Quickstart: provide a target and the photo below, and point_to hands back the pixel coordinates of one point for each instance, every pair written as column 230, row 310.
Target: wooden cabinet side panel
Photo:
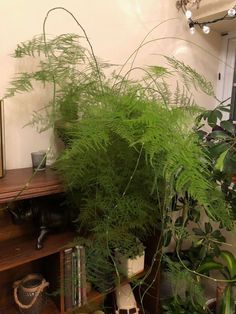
column 62, row 275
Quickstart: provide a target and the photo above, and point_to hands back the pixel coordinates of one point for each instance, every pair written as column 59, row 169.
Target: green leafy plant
column 183, row 267
column 226, row 265
column 180, row 305
column 220, row 139
column 220, row 143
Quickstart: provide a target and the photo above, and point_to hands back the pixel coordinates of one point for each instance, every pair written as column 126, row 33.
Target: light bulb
column 231, row 12
column 191, row 27
column 192, row 30
column 188, row 14
column 206, row 29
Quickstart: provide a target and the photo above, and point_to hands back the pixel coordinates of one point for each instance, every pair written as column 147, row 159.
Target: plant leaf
column 228, row 302
column 208, row 227
column 167, row 238
column 218, row 148
column 208, row 266
column 228, row 126
column 230, row 262
column 220, row 161
column 212, row 119
column 219, row 134
column 219, row 114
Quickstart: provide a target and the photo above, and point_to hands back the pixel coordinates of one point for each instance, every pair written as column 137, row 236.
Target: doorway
column 229, row 84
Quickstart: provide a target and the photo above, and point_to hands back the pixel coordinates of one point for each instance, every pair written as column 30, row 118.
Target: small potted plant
column 130, row 262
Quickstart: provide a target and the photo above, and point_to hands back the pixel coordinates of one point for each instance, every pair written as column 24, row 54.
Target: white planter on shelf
column 130, row 267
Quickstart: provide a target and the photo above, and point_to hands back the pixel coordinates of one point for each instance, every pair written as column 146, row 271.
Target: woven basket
column 29, row 294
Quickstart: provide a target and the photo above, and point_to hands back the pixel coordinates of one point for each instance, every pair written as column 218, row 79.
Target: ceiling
column 221, row 27
column 213, row 9
column 224, row 26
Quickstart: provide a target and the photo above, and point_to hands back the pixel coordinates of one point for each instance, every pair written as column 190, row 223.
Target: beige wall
column 115, row 28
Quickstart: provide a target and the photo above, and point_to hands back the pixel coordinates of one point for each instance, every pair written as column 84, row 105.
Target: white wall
column 115, row 28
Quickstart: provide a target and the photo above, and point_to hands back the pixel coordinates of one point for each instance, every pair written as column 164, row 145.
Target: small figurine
column 125, row 300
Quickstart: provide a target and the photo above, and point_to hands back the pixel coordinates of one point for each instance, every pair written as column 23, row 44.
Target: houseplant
column 205, row 253
column 184, row 267
column 130, row 263
column 131, row 153
column 226, row 266
column 220, row 142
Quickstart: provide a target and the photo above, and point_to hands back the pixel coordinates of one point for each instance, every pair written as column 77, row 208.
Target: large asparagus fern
column 130, row 146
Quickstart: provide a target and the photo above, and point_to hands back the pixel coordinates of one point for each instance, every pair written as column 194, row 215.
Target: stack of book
column 74, row 277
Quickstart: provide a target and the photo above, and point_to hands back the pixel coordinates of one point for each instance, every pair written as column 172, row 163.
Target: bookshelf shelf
column 50, row 309
column 43, row 183
column 94, row 300
column 95, row 297
column 19, row 251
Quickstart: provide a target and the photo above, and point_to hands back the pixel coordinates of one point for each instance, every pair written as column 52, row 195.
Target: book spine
column 79, row 294
column 74, row 279
column 68, row 278
column 83, row 275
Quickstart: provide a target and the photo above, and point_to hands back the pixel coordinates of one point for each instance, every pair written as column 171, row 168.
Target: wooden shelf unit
column 18, row 255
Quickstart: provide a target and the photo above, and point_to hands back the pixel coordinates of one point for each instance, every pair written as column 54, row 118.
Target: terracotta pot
column 234, row 178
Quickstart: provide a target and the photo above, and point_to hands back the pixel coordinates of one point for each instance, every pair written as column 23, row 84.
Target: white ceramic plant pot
column 130, row 267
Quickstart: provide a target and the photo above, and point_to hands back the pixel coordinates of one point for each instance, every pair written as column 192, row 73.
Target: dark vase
column 29, row 294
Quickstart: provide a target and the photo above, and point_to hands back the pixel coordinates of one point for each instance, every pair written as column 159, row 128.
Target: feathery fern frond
column 183, row 98
column 21, row 83
column 191, row 77
column 183, row 281
column 36, row 47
